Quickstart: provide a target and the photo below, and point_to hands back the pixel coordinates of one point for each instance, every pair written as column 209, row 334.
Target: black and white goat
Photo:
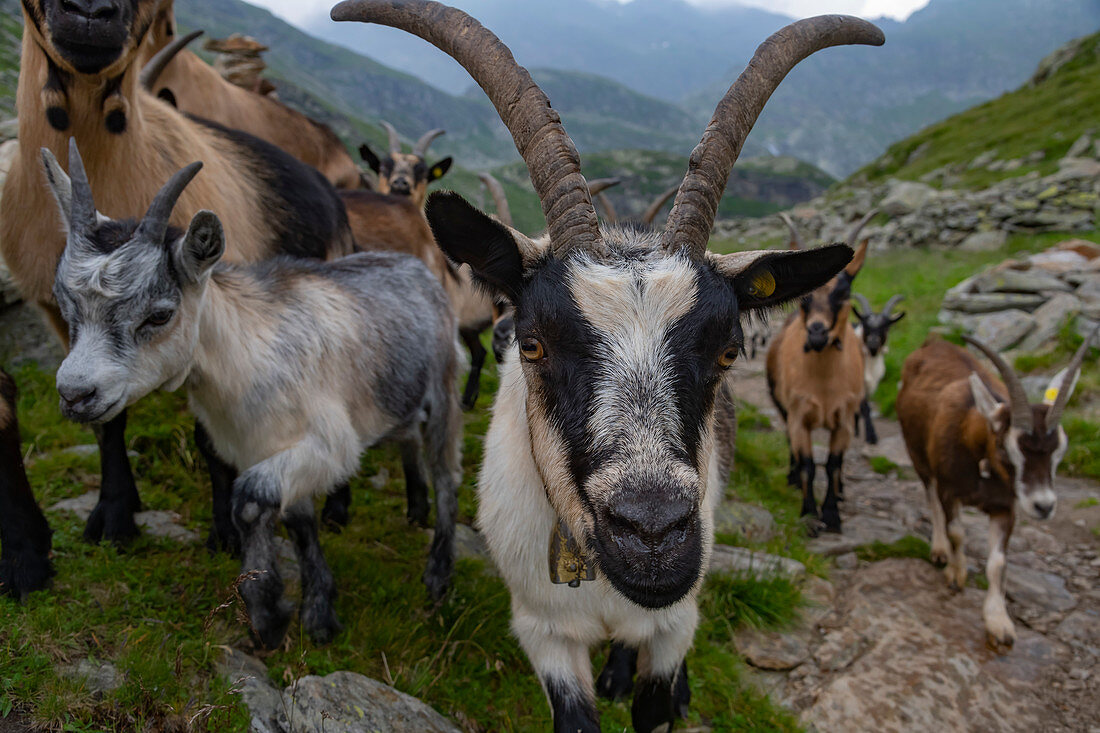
column 294, row 366
column 24, row 535
column 873, row 330
column 600, row 458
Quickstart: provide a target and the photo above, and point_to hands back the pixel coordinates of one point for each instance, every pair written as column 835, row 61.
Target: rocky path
column 887, row 647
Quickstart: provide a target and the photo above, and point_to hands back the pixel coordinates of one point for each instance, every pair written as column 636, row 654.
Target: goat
column 976, row 441
column 600, row 452
column 294, row 366
column 24, row 534
column 187, row 82
column 872, row 330
column 815, row 378
column 406, row 174
column 77, row 77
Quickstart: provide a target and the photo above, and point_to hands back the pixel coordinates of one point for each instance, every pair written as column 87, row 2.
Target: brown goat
column 406, row 174
column 815, row 376
column 196, row 88
column 271, row 203
column 976, row 441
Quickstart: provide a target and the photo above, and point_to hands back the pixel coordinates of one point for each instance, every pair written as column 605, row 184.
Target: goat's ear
column 167, row 95
column 440, row 169
column 853, row 267
column 1050, row 394
column 202, row 246
column 898, row 317
column 60, row 185
column 496, row 253
column 369, row 157
column 856, row 313
column 995, row 412
column 766, row 278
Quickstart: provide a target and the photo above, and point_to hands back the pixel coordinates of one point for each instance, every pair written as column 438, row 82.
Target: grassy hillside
column 1047, row 117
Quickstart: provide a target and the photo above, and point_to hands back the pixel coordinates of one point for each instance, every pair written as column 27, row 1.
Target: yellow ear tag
column 762, row 284
column 436, row 172
column 1050, row 396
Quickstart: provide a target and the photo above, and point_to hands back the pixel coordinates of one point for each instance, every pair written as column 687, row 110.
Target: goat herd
column 310, row 318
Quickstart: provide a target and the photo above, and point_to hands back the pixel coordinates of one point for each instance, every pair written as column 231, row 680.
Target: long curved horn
column 891, row 303
column 602, row 184
column 421, row 147
column 1055, row 414
column 863, row 303
column 504, row 213
column 709, row 167
column 395, row 141
column 156, row 65
column 657, row 204
column 854, row 234
column 154, row 224
column 796, row 237
column 536, row 128
column 1017, row 396
column 609, row 214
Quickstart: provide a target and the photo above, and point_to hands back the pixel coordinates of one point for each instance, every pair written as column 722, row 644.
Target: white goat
column 294, row 366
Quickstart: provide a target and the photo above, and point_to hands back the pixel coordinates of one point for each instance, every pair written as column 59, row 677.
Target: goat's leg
column 868, row 423
column 337, row 508
column 793, row 472
column 956, row 565
column 24, row 534
column 470, row 337
column 830, row 511
column 616, row 681
column 443, row 440
column 318, row 588
column 113, row 516
column 563, row 668
column 998, row 625
column 223, row 535
column 255, row 510
column 416, row 488
column 802, row 452
column 662, row 693
column 941, row 546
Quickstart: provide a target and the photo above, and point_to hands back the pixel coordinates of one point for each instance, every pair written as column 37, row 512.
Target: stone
column 984, row 241
column 750, row 522
column 97, row 677
column 1085, row 326
column 1004, row 329
column 248, row 676
column 738, row 560
column 1080, row 146
column 1020, row 281
column 978, row 303
column 905, row 197
column 1085, row 248
column 773, row 649
column 1049, row 318
column 847, row 561
column 1082, row 626
column 840, row 649
column 1038, row 589
column 860, row 529
column 156, row 523
column 345, row 702
column 1070, row 169
column 1058, row 261
column 1014, row 164
column 982, row 160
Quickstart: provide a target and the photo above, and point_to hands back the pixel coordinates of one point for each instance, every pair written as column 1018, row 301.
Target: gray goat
column 294, row 366
column 873, row 330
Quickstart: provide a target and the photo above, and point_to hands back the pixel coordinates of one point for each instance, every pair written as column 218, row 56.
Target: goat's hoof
column 616, row 681
column 956, row 578
column 812, row 524
column 269, row 625
column 437, row 584
column 321, row 623
column 418, row 517
column 227, row 542
column 940, row 556
column 833, row 528
column 1001, row 638
column 24, row 572
column 334, row 515
column 113, row 522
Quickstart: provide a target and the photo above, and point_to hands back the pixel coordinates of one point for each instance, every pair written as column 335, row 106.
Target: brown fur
column 201, row 91
column 125, row 171
column 395, row 223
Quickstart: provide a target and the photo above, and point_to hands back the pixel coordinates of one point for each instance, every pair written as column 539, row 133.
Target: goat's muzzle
column 817, row 337
column 89, row 34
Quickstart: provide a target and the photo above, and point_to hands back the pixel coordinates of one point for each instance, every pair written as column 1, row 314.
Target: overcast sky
column 297, row 11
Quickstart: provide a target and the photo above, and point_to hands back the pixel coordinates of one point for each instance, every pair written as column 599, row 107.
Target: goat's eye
column 531, row 349
column 727, row 358
column 158, row 318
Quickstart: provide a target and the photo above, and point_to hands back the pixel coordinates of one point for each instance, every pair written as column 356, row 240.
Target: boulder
column 978, row 303
column 1070, row 169
column 97, row 677
column 905, row 197
column 774, row 650
column 1049, row 318
column 1080, row 146
column 750, row 522
column 860, row 529
column 1004, row 329
column 1033, row 280
column 345, row 702
column 738, row 560
column 984, row 241
column 1045, row 592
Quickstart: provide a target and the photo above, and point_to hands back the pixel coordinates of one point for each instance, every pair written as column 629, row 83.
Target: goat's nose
column 75, row 395
column 95, row 9
column 1044, row 508
column 649, row 519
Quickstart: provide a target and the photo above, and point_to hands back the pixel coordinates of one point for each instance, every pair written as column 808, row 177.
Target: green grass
column 1087, row 503
column 908, row 546
column 150, row 609
column 1048, row 117
column 882, row 465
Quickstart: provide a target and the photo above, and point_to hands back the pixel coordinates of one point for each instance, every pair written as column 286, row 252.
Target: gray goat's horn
column 156, row 65
column 796, row 237
column 891, row 303
column 853, row 236
column 657, row 204
column 597, row 188
column 83, row 218
column 504, row 213
column 1017, row 396
column 154, row 225
column 1055, row 414
column 863, row 303
column 395, row 141
column 536, row 128
column 710, row 163
column 421, row 147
